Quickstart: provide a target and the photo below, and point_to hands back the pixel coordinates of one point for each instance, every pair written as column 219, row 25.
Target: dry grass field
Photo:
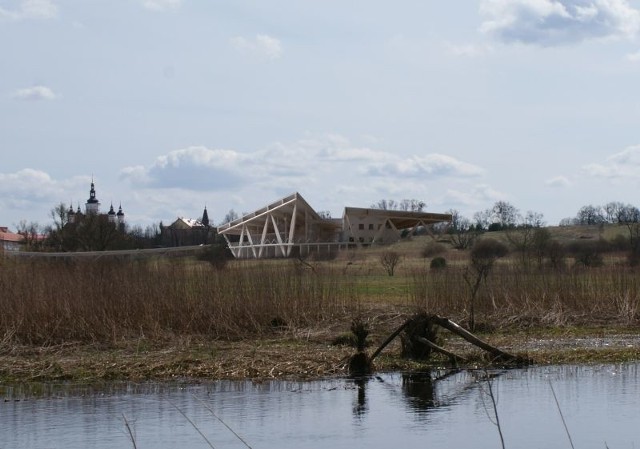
column 181, row 317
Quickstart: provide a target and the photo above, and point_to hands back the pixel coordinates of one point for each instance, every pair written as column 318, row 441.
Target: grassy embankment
column 173, row 318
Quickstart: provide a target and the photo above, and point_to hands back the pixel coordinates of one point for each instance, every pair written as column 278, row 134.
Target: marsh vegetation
column 108, row 303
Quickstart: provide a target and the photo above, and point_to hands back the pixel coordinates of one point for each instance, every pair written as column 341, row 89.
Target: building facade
column 188, row 231
column 291, row 227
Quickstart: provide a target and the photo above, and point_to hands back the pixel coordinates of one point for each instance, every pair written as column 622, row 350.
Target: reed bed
column 512, row 296
column 49, row 302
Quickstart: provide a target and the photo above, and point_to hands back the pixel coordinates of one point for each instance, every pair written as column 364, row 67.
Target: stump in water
column 360, row 364
column 418, row 329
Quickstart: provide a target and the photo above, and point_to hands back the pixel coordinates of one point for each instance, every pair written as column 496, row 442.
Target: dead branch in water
column 497, row 355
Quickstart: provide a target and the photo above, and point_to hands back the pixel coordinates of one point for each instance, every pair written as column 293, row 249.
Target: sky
column 173, row 105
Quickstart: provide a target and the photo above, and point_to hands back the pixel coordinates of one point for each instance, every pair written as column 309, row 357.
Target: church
column 92, row 207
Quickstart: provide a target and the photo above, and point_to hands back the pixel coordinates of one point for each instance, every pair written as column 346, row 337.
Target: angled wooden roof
column 400, row 218
column 284, row 207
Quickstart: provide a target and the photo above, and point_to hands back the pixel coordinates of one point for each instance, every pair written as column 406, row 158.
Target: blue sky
column 171, row 105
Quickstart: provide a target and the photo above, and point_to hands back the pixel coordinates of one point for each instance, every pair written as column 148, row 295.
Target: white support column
column 292, row 229
column 277, row 232
column 233, row 249
column 264, row 236
column 253, row 248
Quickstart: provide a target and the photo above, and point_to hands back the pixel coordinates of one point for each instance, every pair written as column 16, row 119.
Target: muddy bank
column 304, row 354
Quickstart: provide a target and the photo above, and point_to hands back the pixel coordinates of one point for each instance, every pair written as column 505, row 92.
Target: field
column 178, row 318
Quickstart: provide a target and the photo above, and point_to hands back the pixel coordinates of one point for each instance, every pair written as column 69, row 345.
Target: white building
column 291, row 227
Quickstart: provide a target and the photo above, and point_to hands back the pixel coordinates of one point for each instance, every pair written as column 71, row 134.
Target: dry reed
column 48, row 302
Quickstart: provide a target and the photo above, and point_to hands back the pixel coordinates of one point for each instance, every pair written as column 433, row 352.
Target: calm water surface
column 600, row 405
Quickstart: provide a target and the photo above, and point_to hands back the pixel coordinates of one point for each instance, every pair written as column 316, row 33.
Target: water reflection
column 360, row 407
column 445, row 408
column 417, row 388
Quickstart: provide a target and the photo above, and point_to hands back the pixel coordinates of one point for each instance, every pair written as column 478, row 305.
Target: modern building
column 290, row 227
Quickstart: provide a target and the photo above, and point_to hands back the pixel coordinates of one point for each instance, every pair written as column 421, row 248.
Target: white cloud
column 35, row 93
column 432, row 165
column 625, row 164
column 262, row 46
column 325, row 165
column 161, row 5
column 330, row 171
column 29, row 190
column 558, row 181
column 557, row 22
column 31, row 9
column 196, row 168
column 468, row 50
column 634, row 57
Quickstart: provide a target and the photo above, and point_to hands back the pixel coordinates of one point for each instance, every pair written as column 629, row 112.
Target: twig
column 495, row 408
column 193, row 424
column 126, row 424
column 561, row 415
column 224, row 423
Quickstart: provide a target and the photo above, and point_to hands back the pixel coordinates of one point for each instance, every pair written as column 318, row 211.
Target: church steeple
column 205, row 217
column 93, row 205
column 112, row 214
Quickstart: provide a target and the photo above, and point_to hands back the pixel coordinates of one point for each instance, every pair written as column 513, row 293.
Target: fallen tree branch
column 453, row 357
column 390, row 338
column 496, row 353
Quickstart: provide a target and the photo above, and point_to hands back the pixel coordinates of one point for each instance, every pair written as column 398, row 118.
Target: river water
column 540, row 407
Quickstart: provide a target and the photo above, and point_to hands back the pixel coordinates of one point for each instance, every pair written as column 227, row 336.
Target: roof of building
column 186, row 223
column 284, row 207
column 400, row 218
column 8, row 236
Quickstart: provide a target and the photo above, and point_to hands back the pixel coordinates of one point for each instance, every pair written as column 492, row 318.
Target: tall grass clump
column 46, row 302
column 512, row 296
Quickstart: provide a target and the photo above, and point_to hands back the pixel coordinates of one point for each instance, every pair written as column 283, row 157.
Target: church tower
column 205, row 217
column 112, row 214
column 120, row 218
column 93, row 205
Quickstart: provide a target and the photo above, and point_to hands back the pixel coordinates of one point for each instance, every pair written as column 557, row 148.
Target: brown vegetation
column 159, row 318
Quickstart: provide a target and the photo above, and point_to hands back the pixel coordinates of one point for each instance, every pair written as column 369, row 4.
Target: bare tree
column 483, row 257
column 412, row 205
column 231, row 215
column 590, row 215
column 409, row 205
column 522, row 237
column 482, row 219
column 505, row 214
column 612, row 211
column 31, row 234
column 461, row 230
column 390, row 260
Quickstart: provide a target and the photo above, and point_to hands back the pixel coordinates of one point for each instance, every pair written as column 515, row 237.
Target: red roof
column 7, row 236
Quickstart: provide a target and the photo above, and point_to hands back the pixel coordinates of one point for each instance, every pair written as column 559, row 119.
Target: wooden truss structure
column 291, row 227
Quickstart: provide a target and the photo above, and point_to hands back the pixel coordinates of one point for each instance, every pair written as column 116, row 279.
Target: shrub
column 389, row 260
column 487, row 251
column 217, row 255
column 557, row 255
column 433, row 249
column 634, row 255
column 438, row 263
column 588, row 253
column 620, row 243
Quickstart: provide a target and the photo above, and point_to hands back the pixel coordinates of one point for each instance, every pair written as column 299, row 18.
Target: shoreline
column 291, row 356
